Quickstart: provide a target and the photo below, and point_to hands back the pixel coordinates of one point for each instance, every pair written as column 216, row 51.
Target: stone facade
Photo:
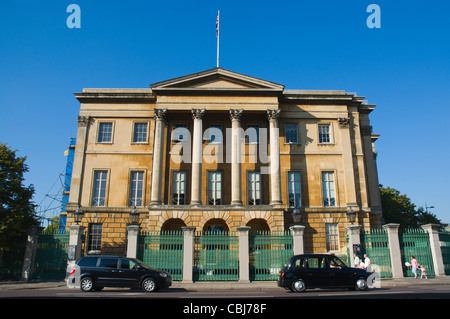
column 158, row 151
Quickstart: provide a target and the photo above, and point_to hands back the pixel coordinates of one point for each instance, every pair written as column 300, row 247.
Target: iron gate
column 416, row 242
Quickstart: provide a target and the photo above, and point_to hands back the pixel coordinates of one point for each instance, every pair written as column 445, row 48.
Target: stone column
column 347, row 155
column 158, row 155
column 244, row 260
column 394, row 250
column 298, row 241
column 188, row 253
column 30, row 252
column 236, row 187
column 438, row 262
column 275, row 176
column 197, row 150
column 76, row 184
column 132, row 240
column 353, row 233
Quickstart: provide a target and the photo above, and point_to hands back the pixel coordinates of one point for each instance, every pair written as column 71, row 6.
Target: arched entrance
column 258, row 225
column 173, row 224
column 216, row 225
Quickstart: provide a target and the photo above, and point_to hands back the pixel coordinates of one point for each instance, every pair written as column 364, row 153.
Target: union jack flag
column 217, row 24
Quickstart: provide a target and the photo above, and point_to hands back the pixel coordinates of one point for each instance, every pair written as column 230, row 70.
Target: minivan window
column 88, row 262
column 300, row 263
column 108, row 262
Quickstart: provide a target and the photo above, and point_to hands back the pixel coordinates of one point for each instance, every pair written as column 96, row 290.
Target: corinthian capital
column 236, row 114
column 198, row 113
column 160, row 114
column 273, row 114
column 83, row 121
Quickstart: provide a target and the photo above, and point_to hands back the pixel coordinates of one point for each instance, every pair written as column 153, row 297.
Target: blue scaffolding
column 67, row 180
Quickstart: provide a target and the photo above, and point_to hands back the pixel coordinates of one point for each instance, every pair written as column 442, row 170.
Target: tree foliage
column 17, row 210
column 398, row 208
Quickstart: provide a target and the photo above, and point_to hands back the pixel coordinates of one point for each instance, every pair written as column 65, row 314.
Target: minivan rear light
column 72, row 272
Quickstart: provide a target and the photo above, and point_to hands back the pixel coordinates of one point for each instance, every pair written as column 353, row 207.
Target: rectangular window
column 332, row 237
column 95, row 237
column 215, row 134
column 291, row 131
column 294, row 189
column 105, row 132
column 254, row 188
column 180, row 133
column 179, row 188
column 99, row 190
column 140, row 133
column 252, row 134
column 324, row 133
column 215, row 188
column 136, row 189
column 328, row 184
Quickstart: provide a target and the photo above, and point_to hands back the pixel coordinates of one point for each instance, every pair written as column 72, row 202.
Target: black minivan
column 93, row 273
column 320, row 271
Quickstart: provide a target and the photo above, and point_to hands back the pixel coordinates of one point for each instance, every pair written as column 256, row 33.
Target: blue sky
column 402, row 67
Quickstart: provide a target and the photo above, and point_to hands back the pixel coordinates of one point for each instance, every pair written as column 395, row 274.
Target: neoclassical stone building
column 217, row 150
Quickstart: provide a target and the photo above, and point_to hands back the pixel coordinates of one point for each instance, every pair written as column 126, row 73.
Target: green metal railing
column 51, row 255
column 162, row 250
column 375, row 244
column 269, row 251
column 444, row 238
column 416, row 242
column 11, row 260
column 216, row 256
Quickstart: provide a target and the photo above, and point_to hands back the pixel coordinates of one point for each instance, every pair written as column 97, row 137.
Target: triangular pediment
column 216, row 79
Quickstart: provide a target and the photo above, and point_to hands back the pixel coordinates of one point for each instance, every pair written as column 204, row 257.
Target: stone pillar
column 438, row 262
column 236, row 187
column 275, row 176
column 347, row 155
column 132, row 240
column 158, row 156
column 197, row 150
column 244, row 260
column 30, row 252
column 354, row 238
column 75, row 246
column 76, row 184
column 298, row 241
column 394, row 250
column 188, row 253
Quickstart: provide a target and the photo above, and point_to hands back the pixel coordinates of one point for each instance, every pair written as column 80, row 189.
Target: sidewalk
column 256, row 285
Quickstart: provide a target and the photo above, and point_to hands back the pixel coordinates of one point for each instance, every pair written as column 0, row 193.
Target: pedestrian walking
column 356, row 260
column 423, row 272
column 414, row 266
column 367, row 262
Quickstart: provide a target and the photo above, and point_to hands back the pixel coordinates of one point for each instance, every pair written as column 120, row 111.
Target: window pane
column 328, row 189
column 332, row 236
column 105, row 133
column 99, row 191
column 291, row 133
column 140, row 133
column 324, row 133
column 294, row 189
column 214, row 188
column 95, row 236
column 180, row 133
column 178, row 192
column 136, row 189
column 252, row 134
column 254, row 188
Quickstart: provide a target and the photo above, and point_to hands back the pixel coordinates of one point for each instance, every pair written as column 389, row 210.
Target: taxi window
column 316, row 263
column 299, row 263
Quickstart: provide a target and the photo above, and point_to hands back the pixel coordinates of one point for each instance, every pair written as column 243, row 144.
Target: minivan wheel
column 298, row 285
column 361, row 284
column 87, row 284
column 149, row 285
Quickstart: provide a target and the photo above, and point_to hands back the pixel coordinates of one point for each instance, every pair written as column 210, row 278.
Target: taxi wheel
column 361, row 284
column 298, row 285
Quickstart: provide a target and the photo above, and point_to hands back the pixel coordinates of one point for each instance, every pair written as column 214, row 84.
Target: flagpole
column 218, row 35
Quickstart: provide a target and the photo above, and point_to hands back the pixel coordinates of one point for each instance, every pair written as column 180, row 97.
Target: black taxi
column 320, row 271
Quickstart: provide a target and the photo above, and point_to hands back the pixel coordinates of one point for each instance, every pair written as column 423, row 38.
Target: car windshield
column 336, row 262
